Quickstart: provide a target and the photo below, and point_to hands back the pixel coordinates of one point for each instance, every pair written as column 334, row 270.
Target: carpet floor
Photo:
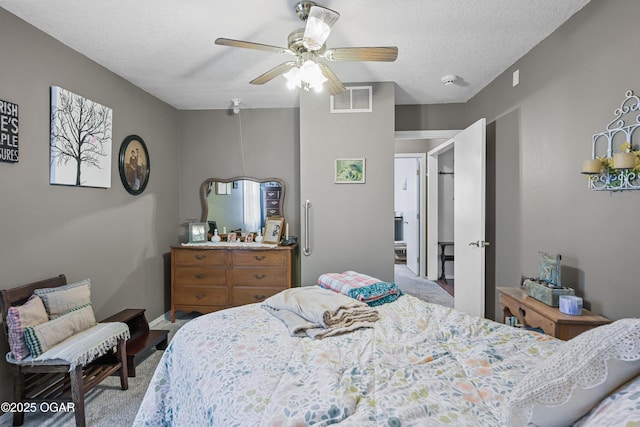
column 106, row 405
column 426, row 290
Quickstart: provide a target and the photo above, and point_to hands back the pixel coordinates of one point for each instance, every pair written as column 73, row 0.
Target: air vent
column 355, row 99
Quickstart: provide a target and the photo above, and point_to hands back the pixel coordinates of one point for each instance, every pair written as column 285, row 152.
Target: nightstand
column 535, row 314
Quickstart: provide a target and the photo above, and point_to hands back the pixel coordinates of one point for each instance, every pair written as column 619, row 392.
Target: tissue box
column 570, row 304
column 545, row 293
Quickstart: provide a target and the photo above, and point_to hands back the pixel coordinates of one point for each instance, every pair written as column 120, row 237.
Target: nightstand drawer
column 534, row 319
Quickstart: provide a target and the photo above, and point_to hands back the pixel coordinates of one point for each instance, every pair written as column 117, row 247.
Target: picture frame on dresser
column 273, row 229
column 197, row 232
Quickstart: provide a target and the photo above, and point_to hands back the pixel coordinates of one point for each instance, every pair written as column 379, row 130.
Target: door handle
column 480, row 244
column 306, row 250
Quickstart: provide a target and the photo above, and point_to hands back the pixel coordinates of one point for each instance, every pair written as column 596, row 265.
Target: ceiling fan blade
column 252, row 45
column 273, row 73
column 334, row 85
column 318, row 27
column 384, row 54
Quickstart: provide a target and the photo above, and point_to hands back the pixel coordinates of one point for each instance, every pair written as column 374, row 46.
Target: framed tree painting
column 80, row 143
column 133, row 164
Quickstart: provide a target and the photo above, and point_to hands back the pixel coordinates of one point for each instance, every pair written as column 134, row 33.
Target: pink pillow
column 19, row 318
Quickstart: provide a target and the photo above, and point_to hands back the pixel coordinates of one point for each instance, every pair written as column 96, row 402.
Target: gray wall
column 348, row 216
column 262, row 143
column 117, row 240
column 570, row 85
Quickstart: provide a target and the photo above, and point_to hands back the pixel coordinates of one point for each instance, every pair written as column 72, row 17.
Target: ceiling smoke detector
column 235, row 104
column 449, row 80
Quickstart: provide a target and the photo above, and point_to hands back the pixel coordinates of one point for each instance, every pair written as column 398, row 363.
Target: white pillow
column 621, row 408
column 565, row 386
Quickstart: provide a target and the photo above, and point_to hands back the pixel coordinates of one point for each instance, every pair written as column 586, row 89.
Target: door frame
column 432, row 202
column 422, row 208
column 428, row 249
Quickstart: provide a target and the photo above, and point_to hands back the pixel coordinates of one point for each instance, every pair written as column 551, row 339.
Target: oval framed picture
column 134, row 164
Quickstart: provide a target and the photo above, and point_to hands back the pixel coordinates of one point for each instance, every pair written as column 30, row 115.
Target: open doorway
column 410, row 206
column 410, row 157
column 469, row 190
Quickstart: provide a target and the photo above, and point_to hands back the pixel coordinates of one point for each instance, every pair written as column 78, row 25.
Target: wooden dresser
column 210, row 278
column 535, row 314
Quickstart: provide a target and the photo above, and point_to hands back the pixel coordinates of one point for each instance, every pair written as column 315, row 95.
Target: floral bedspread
column 423, row 364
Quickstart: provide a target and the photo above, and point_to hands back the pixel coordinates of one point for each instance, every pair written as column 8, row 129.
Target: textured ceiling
column 166, row 47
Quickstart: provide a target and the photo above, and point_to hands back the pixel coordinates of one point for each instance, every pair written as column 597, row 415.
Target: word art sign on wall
column 8, row 132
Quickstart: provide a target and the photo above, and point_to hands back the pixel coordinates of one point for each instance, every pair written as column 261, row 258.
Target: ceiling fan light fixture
column 307, row 76
column 318, row 27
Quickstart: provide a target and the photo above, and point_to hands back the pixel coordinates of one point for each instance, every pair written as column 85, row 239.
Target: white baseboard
column 159, row 319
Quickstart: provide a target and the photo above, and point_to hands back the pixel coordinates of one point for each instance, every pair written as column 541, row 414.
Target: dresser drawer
column 272, row 194
column 204, row 276
column 200, row 295
column 243, row 296
column 259, row 258
column 199, row 257
column 275, row 277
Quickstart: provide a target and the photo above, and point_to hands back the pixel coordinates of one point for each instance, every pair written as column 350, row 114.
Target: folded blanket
column 316, row 313
column 359, row 286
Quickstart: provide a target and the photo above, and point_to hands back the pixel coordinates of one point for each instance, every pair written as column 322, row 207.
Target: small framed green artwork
column 350, row 171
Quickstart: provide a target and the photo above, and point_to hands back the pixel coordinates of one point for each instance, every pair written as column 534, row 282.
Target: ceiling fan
column 308, row 46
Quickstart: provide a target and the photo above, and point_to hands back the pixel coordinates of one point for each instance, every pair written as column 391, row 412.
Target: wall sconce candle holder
column 620, row 170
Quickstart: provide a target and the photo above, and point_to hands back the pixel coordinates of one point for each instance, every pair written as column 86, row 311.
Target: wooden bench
column 40, row 382
column 142, row 338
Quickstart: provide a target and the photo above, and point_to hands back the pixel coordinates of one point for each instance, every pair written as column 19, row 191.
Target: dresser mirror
column 241, row 203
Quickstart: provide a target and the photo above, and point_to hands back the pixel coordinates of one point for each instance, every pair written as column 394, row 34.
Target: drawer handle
column 260, row 297
column 200, row 275
column 200, row 257
column 259, row 276
column 522, row 312
column 260, row 257
column 200, row 296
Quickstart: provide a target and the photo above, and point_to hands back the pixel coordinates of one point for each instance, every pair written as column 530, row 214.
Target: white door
column 469, row 218
column 407, row 194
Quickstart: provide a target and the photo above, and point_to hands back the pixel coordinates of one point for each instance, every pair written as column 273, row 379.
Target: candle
column 286, row 232
column 591, row 166
column 624, row 160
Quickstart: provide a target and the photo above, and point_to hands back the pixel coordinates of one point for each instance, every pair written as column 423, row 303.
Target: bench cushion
column 19, row 318
column 42, row 337
column 81, row 348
